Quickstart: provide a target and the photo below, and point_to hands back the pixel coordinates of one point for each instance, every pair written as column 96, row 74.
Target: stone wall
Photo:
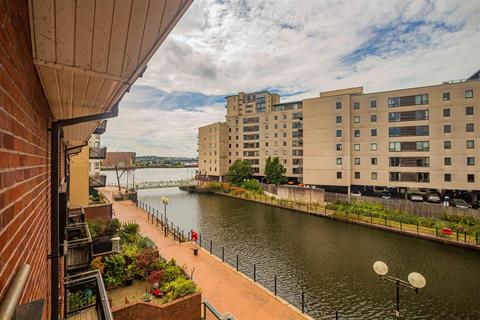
column 302, row 194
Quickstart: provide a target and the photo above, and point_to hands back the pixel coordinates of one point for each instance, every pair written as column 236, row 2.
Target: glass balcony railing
column 79, row 247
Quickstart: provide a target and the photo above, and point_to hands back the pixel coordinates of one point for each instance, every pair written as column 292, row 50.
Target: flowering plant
column 156, row 292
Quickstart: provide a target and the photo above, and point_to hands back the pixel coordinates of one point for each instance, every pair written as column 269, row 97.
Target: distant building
column 213, row 144
column 120, row 159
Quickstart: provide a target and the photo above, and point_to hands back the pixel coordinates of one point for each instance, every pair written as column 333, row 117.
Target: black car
column 476, row 204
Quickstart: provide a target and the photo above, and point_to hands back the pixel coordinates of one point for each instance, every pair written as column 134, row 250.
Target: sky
column 294, row 48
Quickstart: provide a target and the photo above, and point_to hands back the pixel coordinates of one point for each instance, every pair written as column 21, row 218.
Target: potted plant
column 147, row 297
column 130, row 274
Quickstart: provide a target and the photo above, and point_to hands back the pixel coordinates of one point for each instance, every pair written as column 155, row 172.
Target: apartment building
column 417, row 138
column 213, row 149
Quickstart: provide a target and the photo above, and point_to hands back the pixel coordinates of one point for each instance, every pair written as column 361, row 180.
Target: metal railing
column 79, row 246
column 101, row 128
column 97, row 181
column 14, row 293
column 208, row 308
column 98, row 152
column 85, row 292
column 76, row 215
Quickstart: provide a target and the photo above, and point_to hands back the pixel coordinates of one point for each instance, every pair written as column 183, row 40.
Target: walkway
column 226, row 289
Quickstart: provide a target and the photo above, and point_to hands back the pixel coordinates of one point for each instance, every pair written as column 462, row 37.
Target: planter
column 129, row 282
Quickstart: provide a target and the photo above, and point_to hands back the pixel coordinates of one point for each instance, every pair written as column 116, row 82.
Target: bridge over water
column 161, row 184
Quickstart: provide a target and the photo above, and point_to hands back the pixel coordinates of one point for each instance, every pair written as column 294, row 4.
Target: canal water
column 331, row 261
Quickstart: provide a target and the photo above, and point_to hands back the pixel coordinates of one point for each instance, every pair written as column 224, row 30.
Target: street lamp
column 415, row 281
column 165, row 201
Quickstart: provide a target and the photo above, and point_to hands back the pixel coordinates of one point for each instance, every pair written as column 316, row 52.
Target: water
column 330, row 261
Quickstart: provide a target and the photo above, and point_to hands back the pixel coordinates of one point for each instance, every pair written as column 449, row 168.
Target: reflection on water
column 330, row 260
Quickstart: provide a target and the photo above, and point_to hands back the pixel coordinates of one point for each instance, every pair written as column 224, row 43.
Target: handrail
column 15, row 290
column 215, row 312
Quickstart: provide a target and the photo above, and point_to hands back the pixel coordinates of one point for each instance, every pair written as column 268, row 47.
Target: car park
column 459, row 203
column 356, row 193
column 416, row 197
column 433, row 197
column 386, row 195
column 476, row 204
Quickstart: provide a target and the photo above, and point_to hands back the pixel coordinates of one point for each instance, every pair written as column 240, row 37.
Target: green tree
column 275, row 171
column 239, row 171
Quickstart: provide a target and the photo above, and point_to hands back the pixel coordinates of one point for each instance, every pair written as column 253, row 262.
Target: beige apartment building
column 417, row 138
column 213, row 150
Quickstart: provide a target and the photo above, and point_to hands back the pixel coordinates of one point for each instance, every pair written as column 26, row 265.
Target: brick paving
column 228, row 290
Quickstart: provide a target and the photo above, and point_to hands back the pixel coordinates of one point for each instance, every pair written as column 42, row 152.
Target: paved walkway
column 226, row 289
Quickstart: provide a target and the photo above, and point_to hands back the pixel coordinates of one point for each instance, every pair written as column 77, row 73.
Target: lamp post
column 415, row 281
column 165, row 201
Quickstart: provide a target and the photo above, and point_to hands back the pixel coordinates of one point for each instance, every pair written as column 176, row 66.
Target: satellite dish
column 380, row 268
column 417, row 280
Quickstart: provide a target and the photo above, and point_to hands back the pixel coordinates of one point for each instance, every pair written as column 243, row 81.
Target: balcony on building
column 79, row 247
column 97, row 181
column 76, row 215
column 102, row 127
column 98, row 152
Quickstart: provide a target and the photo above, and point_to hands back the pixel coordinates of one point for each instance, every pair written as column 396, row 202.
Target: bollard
column 210, row 246
column 457, row 235
column 436, row 231
column 417, row 227
column 237, row 262
column 303, row 302
column 254, row 272
column 401, row 224
column 465, row 237
column 223, row 254
column 200, row 239
column 156, row 218
column 275, row 285
column 178, row 235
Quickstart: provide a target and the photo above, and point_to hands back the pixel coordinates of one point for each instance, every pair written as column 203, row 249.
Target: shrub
column 252, row 185
column 216, row 186
column 145, row 259
column 172, row 272
column 131, row 251
column 113, row 226
column 114, row 269
column 129, row 233
column 97, row 264
column 155, row 276
column 146, row 243
column 178, row 288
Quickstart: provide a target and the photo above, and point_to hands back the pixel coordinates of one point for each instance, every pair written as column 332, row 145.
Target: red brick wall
column 119, row 158
column 24, row 157
column 186, row 308
column 99, row 213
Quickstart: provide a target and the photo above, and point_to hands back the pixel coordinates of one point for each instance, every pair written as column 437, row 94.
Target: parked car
column 433, row 197
column 417, row 197
column 476, row 204
column 356, row 193
column 459, row 203
column 386, row 195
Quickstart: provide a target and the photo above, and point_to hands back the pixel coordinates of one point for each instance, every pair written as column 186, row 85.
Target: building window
column 338, row 105
column 356, row 119
column 339, row 161
column 339, row 147
column 446, row 112
column 339, row 175
column 339, row 119
column 357, row 175
column 284, row 117
column 373, row 161
column 373, row 118
column 284, row 126
column 373, row 147
column 284, row 134
column 356, row 105
column 373, row 103
column 356, row 133
column 447, row 128
column 373, row 132
column 447, row 177
column 447, row 144
column 356, row 161
column 470, row 161
column 447, row 161
column 469, row 94
column 446, row 96
column 469, row 111
column 356, row 147
column 470, row 144
column 470, row 177
column 470, row 127
column 374, row 176
column 339, row 133
column 275, row 118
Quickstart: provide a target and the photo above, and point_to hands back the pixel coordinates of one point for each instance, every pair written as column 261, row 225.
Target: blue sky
column 296, row 48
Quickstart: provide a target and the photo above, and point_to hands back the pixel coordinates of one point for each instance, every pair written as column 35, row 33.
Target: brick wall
column 119, row 158
column 97, row 213
column 24, row 157
column 186, row 308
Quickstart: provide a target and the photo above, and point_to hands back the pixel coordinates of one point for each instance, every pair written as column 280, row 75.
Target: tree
column 275, row 171
column 239, row 171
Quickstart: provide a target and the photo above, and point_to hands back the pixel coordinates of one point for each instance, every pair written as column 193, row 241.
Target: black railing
column 98, row 181
column 76, row 215
column 102, row 127
column 98, row 152
column 85, row 293
column 79, row 247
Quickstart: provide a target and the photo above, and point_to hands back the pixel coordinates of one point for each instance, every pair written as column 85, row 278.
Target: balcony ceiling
column 89, row 52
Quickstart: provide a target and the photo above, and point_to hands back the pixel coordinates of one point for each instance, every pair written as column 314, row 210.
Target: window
column 373, row 103
column 356, row 147
column 470, row 127
column 447, row 128
column 469, row 111
column 266, row 127
column 356, row 105
column 285, row 125
column 469, row 94
column 339, row 119
column 284, row 143
column 284, row 134
column 373, row 132
column 446, row 96
column 373, row 161
column 470, row 161
column 374, row 176
column 275, row 118
column 339, row 147
column 447, row 144
column 356, row 133
column 446, row 112
column 470, row 144
column 339, row 161
column 356, row 119
column 357, row 175
column 339, row 175
column 373, row 118
column 470, row 177
column 447, row 177
column 338, row 105
column 284, row 117
column 339, row 133
column 266, row 144
column 356, row 161
column 373, row 147
column 408, row 101
column 447, row 161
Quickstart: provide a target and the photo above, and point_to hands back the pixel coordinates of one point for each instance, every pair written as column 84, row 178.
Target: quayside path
column 228, row 290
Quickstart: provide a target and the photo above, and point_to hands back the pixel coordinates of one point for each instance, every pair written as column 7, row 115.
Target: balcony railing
column 101, row 128
column 97, row 181
column 98, row 152
column 86, row 297
column 76, row 215
column 79, row 247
